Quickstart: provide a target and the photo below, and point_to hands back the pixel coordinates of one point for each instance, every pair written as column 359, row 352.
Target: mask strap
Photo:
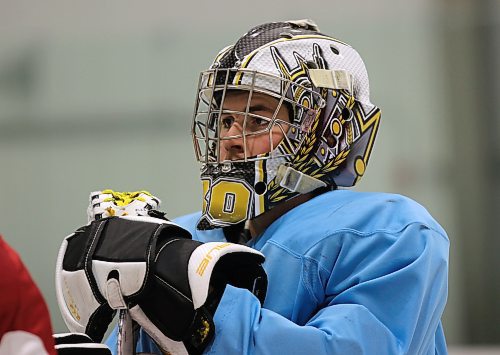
column 296, row 181
column 332, row 79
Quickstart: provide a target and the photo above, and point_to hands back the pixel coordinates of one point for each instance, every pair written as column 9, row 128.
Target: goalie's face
column 250, row 126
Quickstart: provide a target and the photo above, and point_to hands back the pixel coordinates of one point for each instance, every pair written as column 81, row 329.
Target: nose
column 232, row 147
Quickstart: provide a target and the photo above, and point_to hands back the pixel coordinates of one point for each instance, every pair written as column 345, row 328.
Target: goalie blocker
column 170, row 284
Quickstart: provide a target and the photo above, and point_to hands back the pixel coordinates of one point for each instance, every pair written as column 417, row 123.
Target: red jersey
column 25, row 326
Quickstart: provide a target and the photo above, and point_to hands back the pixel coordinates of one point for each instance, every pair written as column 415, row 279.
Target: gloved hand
column 78, row 344
column 104, row 204
column 170, row 284
column 189, row 280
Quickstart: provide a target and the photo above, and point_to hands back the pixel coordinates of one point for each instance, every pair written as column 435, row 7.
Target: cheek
column 277, row 137
column 261, row 144
column 258, row 145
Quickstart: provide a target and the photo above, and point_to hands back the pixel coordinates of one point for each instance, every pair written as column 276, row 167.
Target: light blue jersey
column 349, row 273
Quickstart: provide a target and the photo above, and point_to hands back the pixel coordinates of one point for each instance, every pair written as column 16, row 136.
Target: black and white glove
column 78, row 344
column 170, row 284
column 189, row 280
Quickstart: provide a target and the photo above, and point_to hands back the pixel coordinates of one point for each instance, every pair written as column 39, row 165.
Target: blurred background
column 97, row 94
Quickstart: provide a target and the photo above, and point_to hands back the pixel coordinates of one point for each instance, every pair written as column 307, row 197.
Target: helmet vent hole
column 286, row 35
column 334, row 49
column 311, row 64
column 346, row 114
column 331, row 141
column 260, row 187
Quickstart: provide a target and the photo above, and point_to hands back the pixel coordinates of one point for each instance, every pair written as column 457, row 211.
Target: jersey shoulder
column 376, row 211
column 342, row 212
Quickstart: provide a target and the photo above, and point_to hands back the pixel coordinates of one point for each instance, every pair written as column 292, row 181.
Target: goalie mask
column 282, row 112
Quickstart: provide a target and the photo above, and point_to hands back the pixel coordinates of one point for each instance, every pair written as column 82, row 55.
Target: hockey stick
column 125, row 343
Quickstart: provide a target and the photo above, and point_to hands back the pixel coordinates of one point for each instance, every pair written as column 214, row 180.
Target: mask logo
column 227, row 200
column 306, row 114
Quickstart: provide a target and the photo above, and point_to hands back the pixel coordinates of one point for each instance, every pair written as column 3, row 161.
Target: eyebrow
column 257, row 107
column 260, row 107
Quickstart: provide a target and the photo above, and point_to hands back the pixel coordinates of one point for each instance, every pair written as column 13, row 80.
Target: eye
column 258, row 123
column 227, row 122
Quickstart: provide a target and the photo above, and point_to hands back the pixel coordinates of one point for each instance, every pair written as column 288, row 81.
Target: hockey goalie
column 283, row 126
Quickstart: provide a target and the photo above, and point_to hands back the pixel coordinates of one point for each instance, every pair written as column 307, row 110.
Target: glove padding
column 78, row 344
column 189, row 280
column 170, row 283
column 95, row 257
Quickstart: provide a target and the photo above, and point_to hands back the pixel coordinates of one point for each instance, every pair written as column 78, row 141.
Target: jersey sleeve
column 384, row 292
column 24, row 317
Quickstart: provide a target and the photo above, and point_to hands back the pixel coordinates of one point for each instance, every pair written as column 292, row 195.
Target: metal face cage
column 214, row 113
